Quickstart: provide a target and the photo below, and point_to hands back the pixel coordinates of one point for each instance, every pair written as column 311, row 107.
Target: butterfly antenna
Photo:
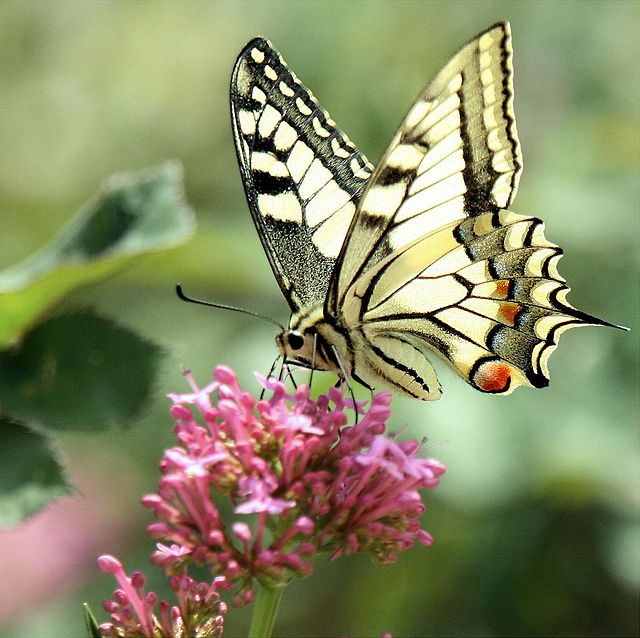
column 184, row 297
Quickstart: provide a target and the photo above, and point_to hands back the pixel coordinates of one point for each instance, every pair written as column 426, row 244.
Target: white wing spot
column 495, row 141
column 545, row 324
column 319, row 129
column 536, row 262
column 485, row 59
column 302, row 107
column 339, row 151
column 299, row 160
column 247, row 122
column 259, row 95
column 487, row 77
column 516, row 235
column 487, row 40
column 285, row 89
column 502, row 161
column 285, row 136
column 257, row 55
column 268, row 121
column 491, row 93
column 355, row 166
column 270, row 73
column 405, row 157
column 455, row 84
column 283, row 207
column 417, row 113
column 267, row 163
column 490, row 116
column 502, row 188
column 384, row 200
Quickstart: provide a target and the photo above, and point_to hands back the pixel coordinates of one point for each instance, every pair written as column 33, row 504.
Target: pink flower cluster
column 312, row 483
column 199, row 612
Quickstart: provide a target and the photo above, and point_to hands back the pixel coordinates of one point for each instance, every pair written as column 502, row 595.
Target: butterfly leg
column 313, row 359
column 285, row 371
column 270, row 374
column 290, row 375
column 344, row 378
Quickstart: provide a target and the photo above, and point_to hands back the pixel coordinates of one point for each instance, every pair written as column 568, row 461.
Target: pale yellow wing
column 456, row 154
column 434, row 263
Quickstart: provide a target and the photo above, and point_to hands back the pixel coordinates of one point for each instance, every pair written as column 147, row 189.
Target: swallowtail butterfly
column 381, row 266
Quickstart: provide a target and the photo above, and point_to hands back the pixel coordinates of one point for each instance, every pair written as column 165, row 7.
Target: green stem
column 266, row 610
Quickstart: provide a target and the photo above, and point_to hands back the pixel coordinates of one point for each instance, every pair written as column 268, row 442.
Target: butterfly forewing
column 302, row 176
column 456, row 154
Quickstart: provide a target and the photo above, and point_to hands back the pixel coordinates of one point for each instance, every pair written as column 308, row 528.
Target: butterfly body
column 384, row 267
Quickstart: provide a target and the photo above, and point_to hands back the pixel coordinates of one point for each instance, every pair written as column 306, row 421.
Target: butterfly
column 419, row 255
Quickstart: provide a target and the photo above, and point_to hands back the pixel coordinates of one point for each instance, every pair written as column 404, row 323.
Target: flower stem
column 266, row 610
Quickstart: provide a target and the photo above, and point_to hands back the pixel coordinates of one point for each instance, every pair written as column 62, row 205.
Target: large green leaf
column 78, row 371
column 134, row 213
column 30, row 475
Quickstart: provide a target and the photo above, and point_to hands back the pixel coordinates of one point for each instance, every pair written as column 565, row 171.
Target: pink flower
column 199, row 612
column 310, row 483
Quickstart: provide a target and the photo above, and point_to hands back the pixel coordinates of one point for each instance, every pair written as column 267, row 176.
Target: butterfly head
column 307, row 349
column 312, row 342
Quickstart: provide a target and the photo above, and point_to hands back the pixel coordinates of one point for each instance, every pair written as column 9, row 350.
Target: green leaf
column 93, row 630
column 134, row 213
column 31, row 476
column 78, row 371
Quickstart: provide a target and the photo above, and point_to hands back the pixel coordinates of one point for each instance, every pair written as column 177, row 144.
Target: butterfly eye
column 295, row 340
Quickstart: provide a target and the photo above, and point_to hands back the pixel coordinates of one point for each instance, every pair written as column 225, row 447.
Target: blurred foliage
column 31, row 474
column 67, row 371
column 536, row 522
column 133, row 214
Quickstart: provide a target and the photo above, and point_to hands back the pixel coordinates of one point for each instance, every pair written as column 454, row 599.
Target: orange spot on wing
column 502, row 288
column 492, row 376
column 509, row 311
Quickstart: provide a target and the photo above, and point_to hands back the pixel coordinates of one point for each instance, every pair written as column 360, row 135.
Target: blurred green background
column 536, row 520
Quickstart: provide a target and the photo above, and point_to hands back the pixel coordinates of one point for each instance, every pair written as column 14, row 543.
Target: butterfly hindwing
column 483, row 293
column 302, row 176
